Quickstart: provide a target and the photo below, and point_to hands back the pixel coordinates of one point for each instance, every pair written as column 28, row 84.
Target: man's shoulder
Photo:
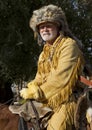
column 67, row 41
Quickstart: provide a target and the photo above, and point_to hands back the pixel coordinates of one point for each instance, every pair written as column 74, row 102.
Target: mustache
column 46, row 33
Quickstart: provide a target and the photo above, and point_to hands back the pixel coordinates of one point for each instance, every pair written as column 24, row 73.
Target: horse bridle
column 5, row 103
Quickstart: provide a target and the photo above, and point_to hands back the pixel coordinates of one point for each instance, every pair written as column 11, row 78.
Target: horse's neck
column 2, row 106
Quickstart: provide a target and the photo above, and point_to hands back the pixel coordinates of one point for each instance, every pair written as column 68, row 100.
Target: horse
column 5, row 91
column 10, row 121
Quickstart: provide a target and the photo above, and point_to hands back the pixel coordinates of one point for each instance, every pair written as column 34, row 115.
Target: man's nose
column 45, row 28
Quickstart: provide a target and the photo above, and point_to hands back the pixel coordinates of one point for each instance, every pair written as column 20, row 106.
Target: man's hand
column 32, row 92
column 26, row 93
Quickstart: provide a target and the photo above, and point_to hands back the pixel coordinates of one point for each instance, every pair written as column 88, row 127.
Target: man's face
column 48, row 31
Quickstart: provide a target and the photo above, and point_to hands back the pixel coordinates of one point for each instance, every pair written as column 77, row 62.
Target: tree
column 18, row 49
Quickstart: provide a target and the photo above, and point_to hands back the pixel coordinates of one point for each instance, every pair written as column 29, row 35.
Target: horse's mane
column 5, row 113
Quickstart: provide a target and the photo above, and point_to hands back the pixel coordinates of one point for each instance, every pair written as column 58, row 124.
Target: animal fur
column 8, row 121
column 80, row 114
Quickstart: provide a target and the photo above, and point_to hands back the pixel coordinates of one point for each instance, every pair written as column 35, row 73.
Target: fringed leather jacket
column 59, row 67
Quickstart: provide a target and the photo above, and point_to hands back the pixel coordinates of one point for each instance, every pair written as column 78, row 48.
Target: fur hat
column 54, row 14
column 50, row 13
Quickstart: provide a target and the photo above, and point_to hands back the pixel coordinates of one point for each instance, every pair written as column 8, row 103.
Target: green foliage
column 18, row 50
column 17, row 47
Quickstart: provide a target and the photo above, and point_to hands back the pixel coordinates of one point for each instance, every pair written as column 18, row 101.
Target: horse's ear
column 89, row 95
column 6, row 93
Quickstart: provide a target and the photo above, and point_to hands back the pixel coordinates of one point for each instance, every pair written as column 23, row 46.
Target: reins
column 5, row 103
column 36, row 114
column 23, row 124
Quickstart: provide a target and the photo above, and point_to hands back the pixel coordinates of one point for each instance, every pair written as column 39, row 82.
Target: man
column 59, row 66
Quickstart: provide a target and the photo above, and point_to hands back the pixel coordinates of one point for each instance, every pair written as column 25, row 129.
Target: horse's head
column 5, row 92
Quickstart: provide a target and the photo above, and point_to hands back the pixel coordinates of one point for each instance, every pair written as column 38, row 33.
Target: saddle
column 32, row 111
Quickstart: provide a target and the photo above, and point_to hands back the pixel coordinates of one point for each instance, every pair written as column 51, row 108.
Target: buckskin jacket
column 59, row 67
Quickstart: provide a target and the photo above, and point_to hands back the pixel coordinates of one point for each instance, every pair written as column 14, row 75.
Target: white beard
column 46, row 36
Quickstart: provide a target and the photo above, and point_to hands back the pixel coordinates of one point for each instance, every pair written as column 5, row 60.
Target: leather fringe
column 64, row 95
